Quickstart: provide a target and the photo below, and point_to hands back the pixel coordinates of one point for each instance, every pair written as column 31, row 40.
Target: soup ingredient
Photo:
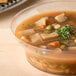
column 31, row 24
column 49, row 36
column 43, row 26
column 54, row 44
column 41, row 22
column 65, row 32
column 36, row 38
column 49, row 27
column 61, row 17
column 25, row 39
column 56, row 26
column 50, row 20
column 28, row 32
column 63, row 47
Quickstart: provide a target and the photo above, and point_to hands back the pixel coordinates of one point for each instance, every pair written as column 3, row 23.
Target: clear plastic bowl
column 56, row 62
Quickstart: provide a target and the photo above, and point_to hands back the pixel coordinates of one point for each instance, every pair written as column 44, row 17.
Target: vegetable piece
column 41, row 22
column 36, row 38
column 49, row 27
column 56, row 26
column 65, row 32
column 24, row 39
column 43, row 26
column 63, row 47
column 49, row 36
column 61, row 17
column 31, row 24
column 54, row 44
column 28, row 32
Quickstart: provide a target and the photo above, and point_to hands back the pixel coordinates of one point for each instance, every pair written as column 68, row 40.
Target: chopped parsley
column 66, row 31
column 31, row 24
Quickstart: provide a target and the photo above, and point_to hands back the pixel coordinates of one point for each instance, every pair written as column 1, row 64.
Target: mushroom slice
column 28, row 32
column 41, row 22
column 61, row 17
column 36, row 38
column 49, row 36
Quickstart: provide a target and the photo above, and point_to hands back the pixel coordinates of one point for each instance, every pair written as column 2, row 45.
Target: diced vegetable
column 36, row 38
column 24, row 39
column 54, row 44
column 28, row 32
column 41, row 22
column 56, row 26
column 61, row 17
column 63, row 47
column 43, row 26
column 49, row 36
column 49, row 27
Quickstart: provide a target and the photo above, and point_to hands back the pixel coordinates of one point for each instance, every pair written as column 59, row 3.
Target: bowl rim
column 25, row 9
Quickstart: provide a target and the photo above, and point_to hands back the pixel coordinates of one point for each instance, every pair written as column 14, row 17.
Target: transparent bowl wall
column 38, row 57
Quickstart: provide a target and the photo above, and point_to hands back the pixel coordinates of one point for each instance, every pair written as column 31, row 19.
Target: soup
column 54, row 33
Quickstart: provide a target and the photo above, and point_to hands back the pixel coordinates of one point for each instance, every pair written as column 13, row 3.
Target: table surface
column 12, row 54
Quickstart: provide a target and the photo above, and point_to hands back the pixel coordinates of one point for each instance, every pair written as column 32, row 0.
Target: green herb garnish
column 66, row 31
column 31, row 24
column 64, row 66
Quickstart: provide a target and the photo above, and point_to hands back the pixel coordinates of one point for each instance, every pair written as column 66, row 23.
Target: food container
column 51, row 61
column 10, row 4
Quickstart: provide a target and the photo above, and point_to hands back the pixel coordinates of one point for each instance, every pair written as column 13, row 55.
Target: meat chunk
column 28, row 32
column 61, row 17
column 41, row 22
column 50, row 20
column 36, row 38
column 49, row 36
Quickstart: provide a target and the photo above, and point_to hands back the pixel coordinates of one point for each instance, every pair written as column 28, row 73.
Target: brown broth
column 37, row 17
